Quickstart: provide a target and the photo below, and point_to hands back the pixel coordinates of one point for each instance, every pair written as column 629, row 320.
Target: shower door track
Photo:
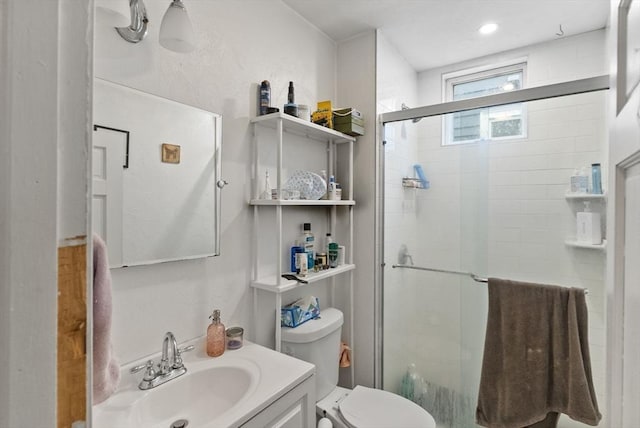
column 573, row 87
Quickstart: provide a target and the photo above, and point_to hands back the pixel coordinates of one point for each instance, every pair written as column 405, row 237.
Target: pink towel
column 106, row 371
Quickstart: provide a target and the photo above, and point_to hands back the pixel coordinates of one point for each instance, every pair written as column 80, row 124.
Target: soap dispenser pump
column 215, row 335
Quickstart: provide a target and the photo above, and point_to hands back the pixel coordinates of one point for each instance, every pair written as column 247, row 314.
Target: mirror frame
column 217, row 181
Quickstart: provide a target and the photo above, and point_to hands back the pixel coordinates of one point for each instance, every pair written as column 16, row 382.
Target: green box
column 348, row 112
column 349, row 128
column 348, row 119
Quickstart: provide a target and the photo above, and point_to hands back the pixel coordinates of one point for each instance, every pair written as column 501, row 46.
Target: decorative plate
column 309, row 184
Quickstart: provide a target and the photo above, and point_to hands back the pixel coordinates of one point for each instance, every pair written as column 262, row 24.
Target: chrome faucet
column 170, row 366
column 165, row 365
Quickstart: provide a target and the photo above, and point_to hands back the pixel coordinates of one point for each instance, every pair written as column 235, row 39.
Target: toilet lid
column 374, row 408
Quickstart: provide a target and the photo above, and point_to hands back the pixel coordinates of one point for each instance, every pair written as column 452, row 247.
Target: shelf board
column 586, row 196
column 301, row 202
column 302, row 127
column 270, row 283
column 576, row 244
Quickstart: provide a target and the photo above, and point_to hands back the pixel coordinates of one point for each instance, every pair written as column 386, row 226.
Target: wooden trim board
column 72, row 335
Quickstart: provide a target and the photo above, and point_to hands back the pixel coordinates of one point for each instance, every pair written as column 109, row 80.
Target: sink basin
column 198, row 398
column 208, row 391
column 226, row 391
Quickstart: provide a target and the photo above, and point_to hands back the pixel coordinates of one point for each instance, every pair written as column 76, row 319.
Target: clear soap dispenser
column 266, row 192
column 215, row 335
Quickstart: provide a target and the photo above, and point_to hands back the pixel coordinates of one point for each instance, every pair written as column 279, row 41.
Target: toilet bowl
column 365, row 407
column 318, row 342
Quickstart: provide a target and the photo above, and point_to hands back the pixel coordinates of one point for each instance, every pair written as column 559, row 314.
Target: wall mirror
column 156, row 177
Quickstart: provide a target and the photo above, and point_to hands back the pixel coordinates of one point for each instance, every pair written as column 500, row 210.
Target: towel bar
column 473, row 276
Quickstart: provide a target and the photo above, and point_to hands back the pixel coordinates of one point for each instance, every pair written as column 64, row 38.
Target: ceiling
column 432, row 33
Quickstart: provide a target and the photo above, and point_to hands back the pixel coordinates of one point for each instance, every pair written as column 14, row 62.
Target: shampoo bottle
column 308, row 242
column 215, row 335
column 596, row 179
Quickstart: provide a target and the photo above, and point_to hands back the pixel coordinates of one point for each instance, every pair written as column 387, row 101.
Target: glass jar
column 234, row 337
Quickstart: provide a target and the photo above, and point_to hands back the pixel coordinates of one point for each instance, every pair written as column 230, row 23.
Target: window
column 491, row 123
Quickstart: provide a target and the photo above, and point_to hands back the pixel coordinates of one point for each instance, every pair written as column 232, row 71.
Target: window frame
column 449, row 80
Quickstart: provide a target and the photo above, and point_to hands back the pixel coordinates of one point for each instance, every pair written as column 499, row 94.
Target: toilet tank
column 317, row 341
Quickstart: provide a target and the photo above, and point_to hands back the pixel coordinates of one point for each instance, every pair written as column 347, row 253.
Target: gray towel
column 536, row 360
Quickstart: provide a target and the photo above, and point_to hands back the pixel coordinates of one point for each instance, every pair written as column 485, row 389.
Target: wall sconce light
column 176, row 31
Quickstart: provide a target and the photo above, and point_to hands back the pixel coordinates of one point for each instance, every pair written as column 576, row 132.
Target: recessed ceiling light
column 488, row 28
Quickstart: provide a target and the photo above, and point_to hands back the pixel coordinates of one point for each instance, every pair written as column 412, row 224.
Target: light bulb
column 176, row 31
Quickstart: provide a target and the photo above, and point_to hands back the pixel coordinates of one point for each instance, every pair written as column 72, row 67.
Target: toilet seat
column 375, row 408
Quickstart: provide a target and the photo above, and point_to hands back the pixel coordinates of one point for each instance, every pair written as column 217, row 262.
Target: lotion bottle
column 588, row 226
column 215, row 335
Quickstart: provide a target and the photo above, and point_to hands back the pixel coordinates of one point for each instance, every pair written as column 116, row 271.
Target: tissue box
column 299, row 312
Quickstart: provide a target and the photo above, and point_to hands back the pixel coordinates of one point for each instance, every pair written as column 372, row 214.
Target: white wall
column 45, row 72
column 239, row 45
column 356, row 88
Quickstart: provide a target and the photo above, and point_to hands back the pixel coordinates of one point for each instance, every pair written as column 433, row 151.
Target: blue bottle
column 596, row 179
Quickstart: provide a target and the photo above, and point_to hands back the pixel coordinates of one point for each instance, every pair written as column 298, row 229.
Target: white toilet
column 318, row 341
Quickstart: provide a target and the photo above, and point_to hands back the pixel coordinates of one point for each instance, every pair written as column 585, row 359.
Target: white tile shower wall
column 397, row 85
column 233, row 55
column 527, row 216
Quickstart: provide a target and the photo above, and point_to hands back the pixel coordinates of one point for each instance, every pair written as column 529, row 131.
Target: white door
column 109, row 160
column 631, row 348
column 623, row 259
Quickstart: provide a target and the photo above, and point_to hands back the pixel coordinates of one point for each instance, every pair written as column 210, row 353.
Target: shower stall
column 488, row 207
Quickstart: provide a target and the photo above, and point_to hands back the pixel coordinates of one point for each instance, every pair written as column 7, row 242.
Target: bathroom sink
column 227, row 391
column 209, row 390
column 199, row 397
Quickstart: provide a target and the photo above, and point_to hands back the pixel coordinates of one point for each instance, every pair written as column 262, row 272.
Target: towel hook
column 561, row 33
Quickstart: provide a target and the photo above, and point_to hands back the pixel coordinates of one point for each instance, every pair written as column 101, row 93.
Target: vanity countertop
column 241, row 382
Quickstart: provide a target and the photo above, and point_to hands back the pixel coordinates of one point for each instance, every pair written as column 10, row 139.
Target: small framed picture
column 170, row 153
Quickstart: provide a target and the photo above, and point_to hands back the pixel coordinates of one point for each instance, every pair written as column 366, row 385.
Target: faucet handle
column 178, row 360
column 186, row 349
column 149, row 374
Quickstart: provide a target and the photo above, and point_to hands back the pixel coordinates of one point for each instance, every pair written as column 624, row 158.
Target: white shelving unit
column 581, row 197
column 275, row 284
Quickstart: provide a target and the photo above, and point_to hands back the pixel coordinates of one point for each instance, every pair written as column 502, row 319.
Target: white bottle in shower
column 588, row 226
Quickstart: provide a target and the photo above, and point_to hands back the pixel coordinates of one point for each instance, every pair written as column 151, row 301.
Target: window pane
column 506, row 128
column 487, row 86
column 466, row 125
column 486, row 123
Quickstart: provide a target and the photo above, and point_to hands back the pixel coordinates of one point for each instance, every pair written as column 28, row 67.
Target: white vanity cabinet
column 279, row 136
column 295, row 409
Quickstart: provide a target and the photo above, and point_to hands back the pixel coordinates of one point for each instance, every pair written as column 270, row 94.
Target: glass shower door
column 434, row 322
